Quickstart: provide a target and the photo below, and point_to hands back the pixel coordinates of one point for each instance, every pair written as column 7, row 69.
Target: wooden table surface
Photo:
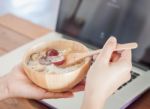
column 15, row 32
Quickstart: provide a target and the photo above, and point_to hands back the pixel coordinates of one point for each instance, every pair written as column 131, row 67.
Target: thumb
column 107, row 50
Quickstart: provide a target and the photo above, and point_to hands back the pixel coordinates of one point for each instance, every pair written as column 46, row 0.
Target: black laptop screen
column 93, row 21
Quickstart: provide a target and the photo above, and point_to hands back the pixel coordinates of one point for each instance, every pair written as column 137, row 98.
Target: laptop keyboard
column 134, row 75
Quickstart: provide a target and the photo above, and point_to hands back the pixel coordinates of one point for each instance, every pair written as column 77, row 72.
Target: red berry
column 52, row 52
column 59, row 63
column 59, row 60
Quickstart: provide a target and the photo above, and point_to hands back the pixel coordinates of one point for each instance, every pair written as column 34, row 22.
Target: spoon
column 73, row 58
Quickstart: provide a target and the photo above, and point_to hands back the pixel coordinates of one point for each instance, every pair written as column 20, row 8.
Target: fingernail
column 112, row 39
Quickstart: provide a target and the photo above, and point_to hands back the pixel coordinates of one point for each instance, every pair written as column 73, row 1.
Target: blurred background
column 128, row 20
column 42, row 12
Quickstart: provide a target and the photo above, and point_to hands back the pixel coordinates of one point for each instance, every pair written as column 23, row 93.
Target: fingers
column 94, row 57
column 78, row 88
column 115, row 56
column 125, row 60
column 107, row 50
column 57, row 95
column 125, row 63
column 126, row 56
column 35, row 92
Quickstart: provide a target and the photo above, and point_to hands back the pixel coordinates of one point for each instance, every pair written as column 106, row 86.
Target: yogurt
column 35, row 62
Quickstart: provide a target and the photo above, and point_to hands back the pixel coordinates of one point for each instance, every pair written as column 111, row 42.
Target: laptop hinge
column 140, row 66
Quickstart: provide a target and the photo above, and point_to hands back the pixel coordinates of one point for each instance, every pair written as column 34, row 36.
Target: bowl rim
column 43, row 45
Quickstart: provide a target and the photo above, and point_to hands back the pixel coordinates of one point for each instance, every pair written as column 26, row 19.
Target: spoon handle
column 118, row 48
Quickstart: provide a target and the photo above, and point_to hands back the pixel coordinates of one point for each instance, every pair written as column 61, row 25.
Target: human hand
column 107, row 74
column 16, row 84
column 111, row 75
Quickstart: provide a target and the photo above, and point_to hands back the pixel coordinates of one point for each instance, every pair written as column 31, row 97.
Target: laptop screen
column 93, row 21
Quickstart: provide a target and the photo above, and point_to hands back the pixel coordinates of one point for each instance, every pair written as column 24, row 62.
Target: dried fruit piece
column 44, row 61
column 35, row 56
column 58, row 60
column 43, row 53
column 39, row 68
column 52, row 52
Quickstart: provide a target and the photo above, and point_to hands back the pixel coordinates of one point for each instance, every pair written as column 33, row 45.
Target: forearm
column 93, row 101
column 3, row 88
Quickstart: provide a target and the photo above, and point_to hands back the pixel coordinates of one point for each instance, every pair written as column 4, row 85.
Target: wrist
column 4, row 89
column 93, row 100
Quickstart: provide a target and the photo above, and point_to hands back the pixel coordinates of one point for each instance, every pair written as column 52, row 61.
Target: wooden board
column 142, row 103
column 15, row 32
column 19, row 103
column 2, row 51
column 11, row 39
column 23, row 27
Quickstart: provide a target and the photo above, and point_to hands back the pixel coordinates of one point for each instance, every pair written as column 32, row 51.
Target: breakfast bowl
column 42, row 65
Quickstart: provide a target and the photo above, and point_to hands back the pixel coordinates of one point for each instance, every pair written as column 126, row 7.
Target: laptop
column 92, row 22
